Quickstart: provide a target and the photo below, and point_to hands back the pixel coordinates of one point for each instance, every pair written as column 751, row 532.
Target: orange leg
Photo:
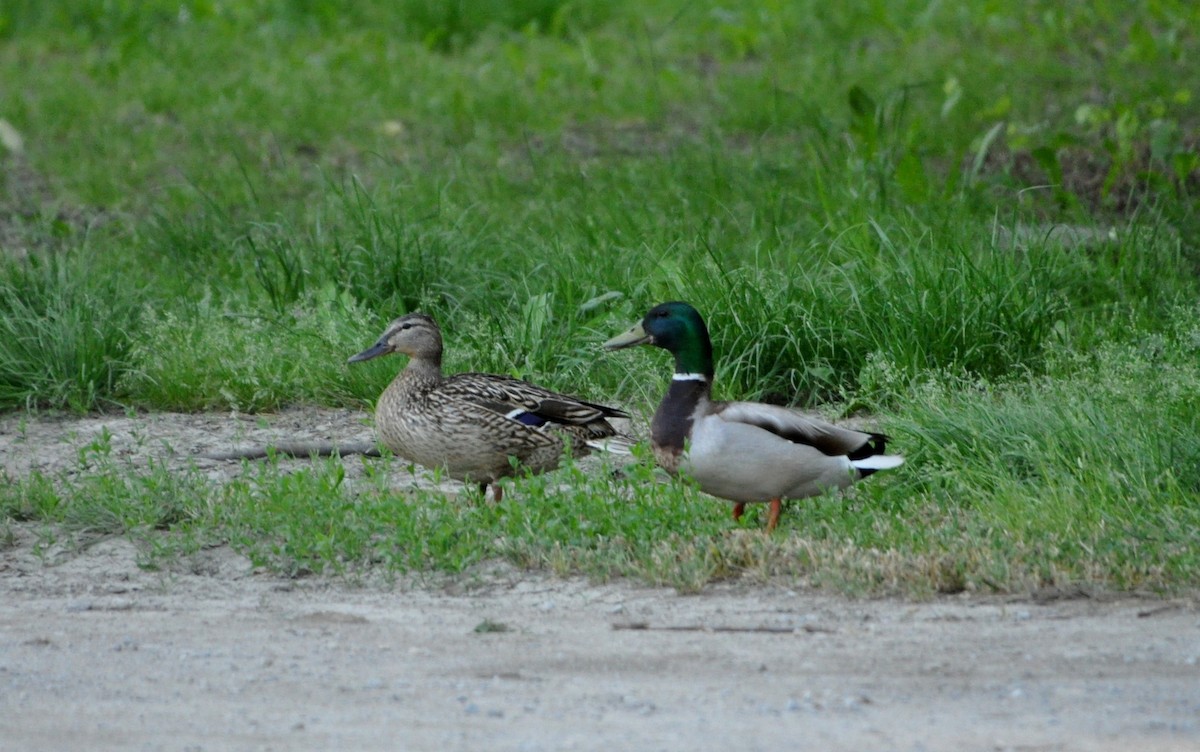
column 773, row 516
column 738, row 508
column 497, row 493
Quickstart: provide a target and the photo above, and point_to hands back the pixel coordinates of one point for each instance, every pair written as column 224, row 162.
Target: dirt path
column 97, row 654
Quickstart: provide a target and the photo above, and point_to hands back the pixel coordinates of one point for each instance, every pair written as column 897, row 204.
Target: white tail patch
column 878, row 462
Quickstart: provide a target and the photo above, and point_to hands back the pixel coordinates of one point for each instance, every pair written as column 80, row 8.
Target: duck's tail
column 868, row 465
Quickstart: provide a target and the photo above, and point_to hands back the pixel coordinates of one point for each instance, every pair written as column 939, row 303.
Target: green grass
column 216, row 204
column 1046, row 483
column 65, row 329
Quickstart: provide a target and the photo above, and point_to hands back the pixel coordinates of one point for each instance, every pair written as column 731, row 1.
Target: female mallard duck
column 473, row 424
column 742, row 451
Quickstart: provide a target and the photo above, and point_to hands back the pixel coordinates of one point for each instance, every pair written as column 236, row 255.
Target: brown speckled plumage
column 474, row 424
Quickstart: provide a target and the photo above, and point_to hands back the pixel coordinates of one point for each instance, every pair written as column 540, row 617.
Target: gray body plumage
column 750, row 452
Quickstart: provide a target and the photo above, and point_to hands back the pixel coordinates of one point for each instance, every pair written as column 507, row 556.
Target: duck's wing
column 528, row 403
column 802, row 429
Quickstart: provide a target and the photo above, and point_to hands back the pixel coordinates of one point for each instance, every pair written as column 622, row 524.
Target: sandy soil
column 97, row 654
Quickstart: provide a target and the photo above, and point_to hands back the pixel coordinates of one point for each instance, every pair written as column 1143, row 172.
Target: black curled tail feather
column 876, row 444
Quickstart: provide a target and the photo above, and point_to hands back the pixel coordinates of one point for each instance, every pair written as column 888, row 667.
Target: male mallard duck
column 473, row 423
column 742, row 451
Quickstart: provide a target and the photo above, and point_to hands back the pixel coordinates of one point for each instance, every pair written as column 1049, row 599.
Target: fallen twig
column 302, row 450
column 642, row 626
column 1158, row 610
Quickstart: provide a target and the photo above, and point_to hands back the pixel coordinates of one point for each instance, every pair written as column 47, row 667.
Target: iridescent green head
column 677, row 328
